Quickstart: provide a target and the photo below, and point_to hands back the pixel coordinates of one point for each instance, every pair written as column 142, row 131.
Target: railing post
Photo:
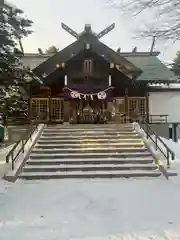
column 12, row 164
column 7, row 159
column 156, row 142
column 147, row 130
column 168, row 161
column 22, row 146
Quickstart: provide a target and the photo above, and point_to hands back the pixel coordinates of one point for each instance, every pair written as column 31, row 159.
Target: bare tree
column 166, row 13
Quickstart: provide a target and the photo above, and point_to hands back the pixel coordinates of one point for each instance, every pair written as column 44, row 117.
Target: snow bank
column 110, row 209
column 4, row 167
column 4, row 152
column 175, row 147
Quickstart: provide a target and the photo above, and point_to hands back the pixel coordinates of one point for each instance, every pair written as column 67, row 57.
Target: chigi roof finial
column 87, row 29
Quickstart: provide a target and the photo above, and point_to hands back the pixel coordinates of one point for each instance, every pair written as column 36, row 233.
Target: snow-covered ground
column 91, row 209
column 175, row 147
column 144, row 209
column 3, row 166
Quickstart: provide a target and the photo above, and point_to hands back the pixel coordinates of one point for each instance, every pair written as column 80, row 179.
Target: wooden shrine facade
column 87, row 82
column 117, row 101
column 57, row 110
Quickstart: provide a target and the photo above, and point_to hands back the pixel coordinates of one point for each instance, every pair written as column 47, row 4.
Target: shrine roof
column 153, row 70
column 140, row 66
column 49, row 66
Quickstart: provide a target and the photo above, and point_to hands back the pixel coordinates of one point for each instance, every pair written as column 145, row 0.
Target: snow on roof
column 166, row 86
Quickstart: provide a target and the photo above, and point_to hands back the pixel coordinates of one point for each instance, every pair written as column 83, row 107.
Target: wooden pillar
column 29, row 103
column 49, row 110
column 126, row 101
column 147, row 107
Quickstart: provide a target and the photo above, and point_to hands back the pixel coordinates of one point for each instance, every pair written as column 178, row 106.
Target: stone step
column 87, row 134
column 91, row 141
column 91, row 126
column 88, row 131
column 87, row 161
column 84, row 145
column 88, row 137
column 42, row 155
column 84, row 168
column 83, row 150
column 92, row 174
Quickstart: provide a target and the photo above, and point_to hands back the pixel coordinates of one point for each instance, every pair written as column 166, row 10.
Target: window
column 88, row 66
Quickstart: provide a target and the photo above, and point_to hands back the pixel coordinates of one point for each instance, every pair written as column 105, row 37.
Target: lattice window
column 44, row 109
column 88, row 66
column 57, row 113
column 40, row 108
column 137, row 106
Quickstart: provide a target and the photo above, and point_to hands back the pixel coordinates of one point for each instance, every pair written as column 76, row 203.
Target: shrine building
column 88, row 82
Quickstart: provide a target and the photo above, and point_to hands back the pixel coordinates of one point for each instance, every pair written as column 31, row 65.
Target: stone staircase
column 89, row 151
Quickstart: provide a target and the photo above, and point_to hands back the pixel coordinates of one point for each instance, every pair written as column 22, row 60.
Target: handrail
column 148, row 130
column 20, row 145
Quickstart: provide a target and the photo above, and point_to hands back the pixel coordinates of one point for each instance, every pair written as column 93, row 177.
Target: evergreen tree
column 13, row 27
column 176, row 64
column 52, row 50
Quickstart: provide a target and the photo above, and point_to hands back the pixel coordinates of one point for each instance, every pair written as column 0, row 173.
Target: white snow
column 91, row 209
column 143, row 209
column 4, row 152
column 166, row 86
column 5, row 16
column 3, row 166
column 175, row 147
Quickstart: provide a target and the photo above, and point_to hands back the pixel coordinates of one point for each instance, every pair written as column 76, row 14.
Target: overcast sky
column 47, row 16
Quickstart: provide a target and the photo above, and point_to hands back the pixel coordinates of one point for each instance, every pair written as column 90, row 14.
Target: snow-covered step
column 92, row 150
column 87, row 152
column 90, row 167
column 79, row 141
column 87, row 134
column 79, row 131
column 91, row 174
column 88, row 137
column 87, row 161
column 87, row 144
column 88, row 127
column 42, row 155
